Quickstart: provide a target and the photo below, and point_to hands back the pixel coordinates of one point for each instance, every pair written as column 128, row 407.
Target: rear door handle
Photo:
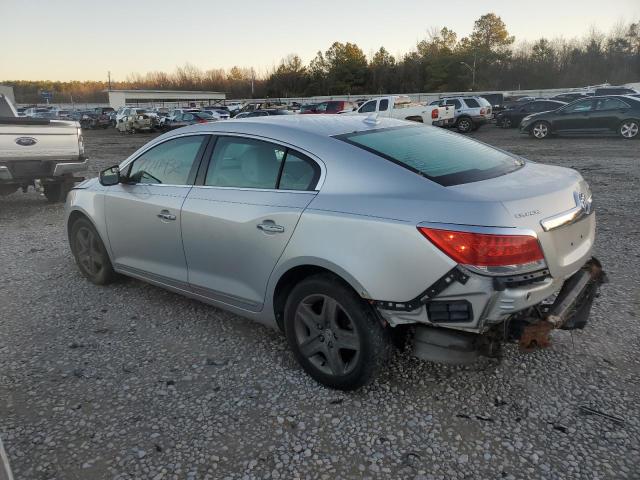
column 166, row 215
column 271, row 228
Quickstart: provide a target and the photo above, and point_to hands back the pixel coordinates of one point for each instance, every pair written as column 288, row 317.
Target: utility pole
column 109, row 79
column 473, row 71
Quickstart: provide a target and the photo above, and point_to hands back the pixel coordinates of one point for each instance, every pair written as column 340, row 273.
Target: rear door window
column 610, row 104
column 472, row 103
column 445, row 158
column 384, row 105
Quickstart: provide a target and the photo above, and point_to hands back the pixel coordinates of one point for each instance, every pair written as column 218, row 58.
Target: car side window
column 244, row 163
column 187, row 117
column 322, row 107
column 384, row 105
column 610, row 104
column 368, row 107
column 455, row 103
column 581, row 106
column 472, row 103
column 169, row 163
column 299, row 172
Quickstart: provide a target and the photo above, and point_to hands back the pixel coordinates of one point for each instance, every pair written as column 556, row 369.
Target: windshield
column 203, row 115
column 441, row 156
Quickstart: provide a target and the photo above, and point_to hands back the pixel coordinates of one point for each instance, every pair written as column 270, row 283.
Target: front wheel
column 506, row 123
column 90, row 253
column 629, row 129
column 464, row 125
column 334, row 334
column 540, row 130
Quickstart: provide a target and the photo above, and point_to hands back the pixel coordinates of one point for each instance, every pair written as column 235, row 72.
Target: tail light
column 489, row 253
column 434, row 114
column 483, row 111
column 202, row 120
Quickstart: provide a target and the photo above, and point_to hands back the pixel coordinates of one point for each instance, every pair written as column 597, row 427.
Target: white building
column 120, row 98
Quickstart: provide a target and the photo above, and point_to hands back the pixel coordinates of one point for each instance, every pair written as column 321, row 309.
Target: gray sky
column 82, row 39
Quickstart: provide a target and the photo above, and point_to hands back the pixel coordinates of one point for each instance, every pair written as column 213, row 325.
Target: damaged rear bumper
column 569, row 311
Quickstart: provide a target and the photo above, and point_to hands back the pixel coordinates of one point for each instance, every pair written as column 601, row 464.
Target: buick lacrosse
column 349, row 235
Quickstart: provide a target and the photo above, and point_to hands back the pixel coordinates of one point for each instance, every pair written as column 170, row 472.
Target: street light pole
column 473, row 71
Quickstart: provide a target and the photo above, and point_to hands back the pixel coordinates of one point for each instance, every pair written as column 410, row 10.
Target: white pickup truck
column 45, row 154
column 402, row 108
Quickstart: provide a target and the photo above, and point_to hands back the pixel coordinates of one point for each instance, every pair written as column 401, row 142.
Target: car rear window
column 443, row 157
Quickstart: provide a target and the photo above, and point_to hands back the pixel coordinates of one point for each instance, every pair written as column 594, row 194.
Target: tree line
column 487, row 59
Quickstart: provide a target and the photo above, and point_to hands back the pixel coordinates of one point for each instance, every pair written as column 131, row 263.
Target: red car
column 332, row 106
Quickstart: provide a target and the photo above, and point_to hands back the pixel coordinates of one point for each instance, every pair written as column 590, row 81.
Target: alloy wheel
column 629, row 129
column 88, row 251
column 326, row 335
column 540, row 130
column 464, row 125
column 506, row 123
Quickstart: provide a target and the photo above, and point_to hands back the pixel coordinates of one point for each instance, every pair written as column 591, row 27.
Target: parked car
column 568, row 97
column 134, row 121
column 340, row 232
column 513, row 116
column 46, row 154
column 332, row 106
column 401, row 107
column 594, row 115
column 91, row 120
column 218, row 113
column 33, row 111
column 188, row 118
column 263, row 113
column 612, row 90
column 104, row 110
column 470, row 113
column 173, row 114
column 307, row 108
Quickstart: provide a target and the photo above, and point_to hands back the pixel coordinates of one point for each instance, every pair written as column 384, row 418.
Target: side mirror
column 110, row 176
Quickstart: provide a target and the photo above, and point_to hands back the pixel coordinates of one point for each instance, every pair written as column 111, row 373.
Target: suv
column 470, row 112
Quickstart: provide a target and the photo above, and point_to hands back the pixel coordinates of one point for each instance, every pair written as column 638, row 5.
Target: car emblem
column 583, row 202
column 26, row 141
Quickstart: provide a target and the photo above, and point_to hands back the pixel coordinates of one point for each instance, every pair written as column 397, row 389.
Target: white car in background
column 401, row 108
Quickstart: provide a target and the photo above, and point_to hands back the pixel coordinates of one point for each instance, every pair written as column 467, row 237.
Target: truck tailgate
column 57, row 140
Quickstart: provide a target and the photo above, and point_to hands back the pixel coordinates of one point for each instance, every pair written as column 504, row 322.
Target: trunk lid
column 535, row 193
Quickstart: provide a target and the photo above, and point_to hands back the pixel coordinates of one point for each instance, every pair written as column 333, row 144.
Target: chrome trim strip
column 577, row 213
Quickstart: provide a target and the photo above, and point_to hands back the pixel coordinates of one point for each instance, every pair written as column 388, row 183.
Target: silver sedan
column 350, row 235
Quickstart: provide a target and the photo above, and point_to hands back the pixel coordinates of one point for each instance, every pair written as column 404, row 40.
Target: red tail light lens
column 434, row 113
column 485, row 250
column 483, row 111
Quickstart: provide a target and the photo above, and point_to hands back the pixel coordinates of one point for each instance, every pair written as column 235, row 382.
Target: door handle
column 166, row 215
column 271, row 228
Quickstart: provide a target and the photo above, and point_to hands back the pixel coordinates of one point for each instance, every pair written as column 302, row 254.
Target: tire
column 506, row 123
column 540, row 130
column 464, row 125
column 56, row 192
column 629, row 129
column 90, row 254
column 334, row 334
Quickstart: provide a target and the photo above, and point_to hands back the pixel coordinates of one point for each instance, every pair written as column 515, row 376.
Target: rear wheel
column 506, row 122
column 629, row 129
column 540, row 130
column 90, row 253
column 334, row 334
column 464, row 125
column 56, row 192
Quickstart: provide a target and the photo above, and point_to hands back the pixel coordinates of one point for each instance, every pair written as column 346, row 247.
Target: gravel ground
column 133, row 382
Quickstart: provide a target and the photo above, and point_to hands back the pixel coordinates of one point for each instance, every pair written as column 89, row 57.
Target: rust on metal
column 536, row 335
